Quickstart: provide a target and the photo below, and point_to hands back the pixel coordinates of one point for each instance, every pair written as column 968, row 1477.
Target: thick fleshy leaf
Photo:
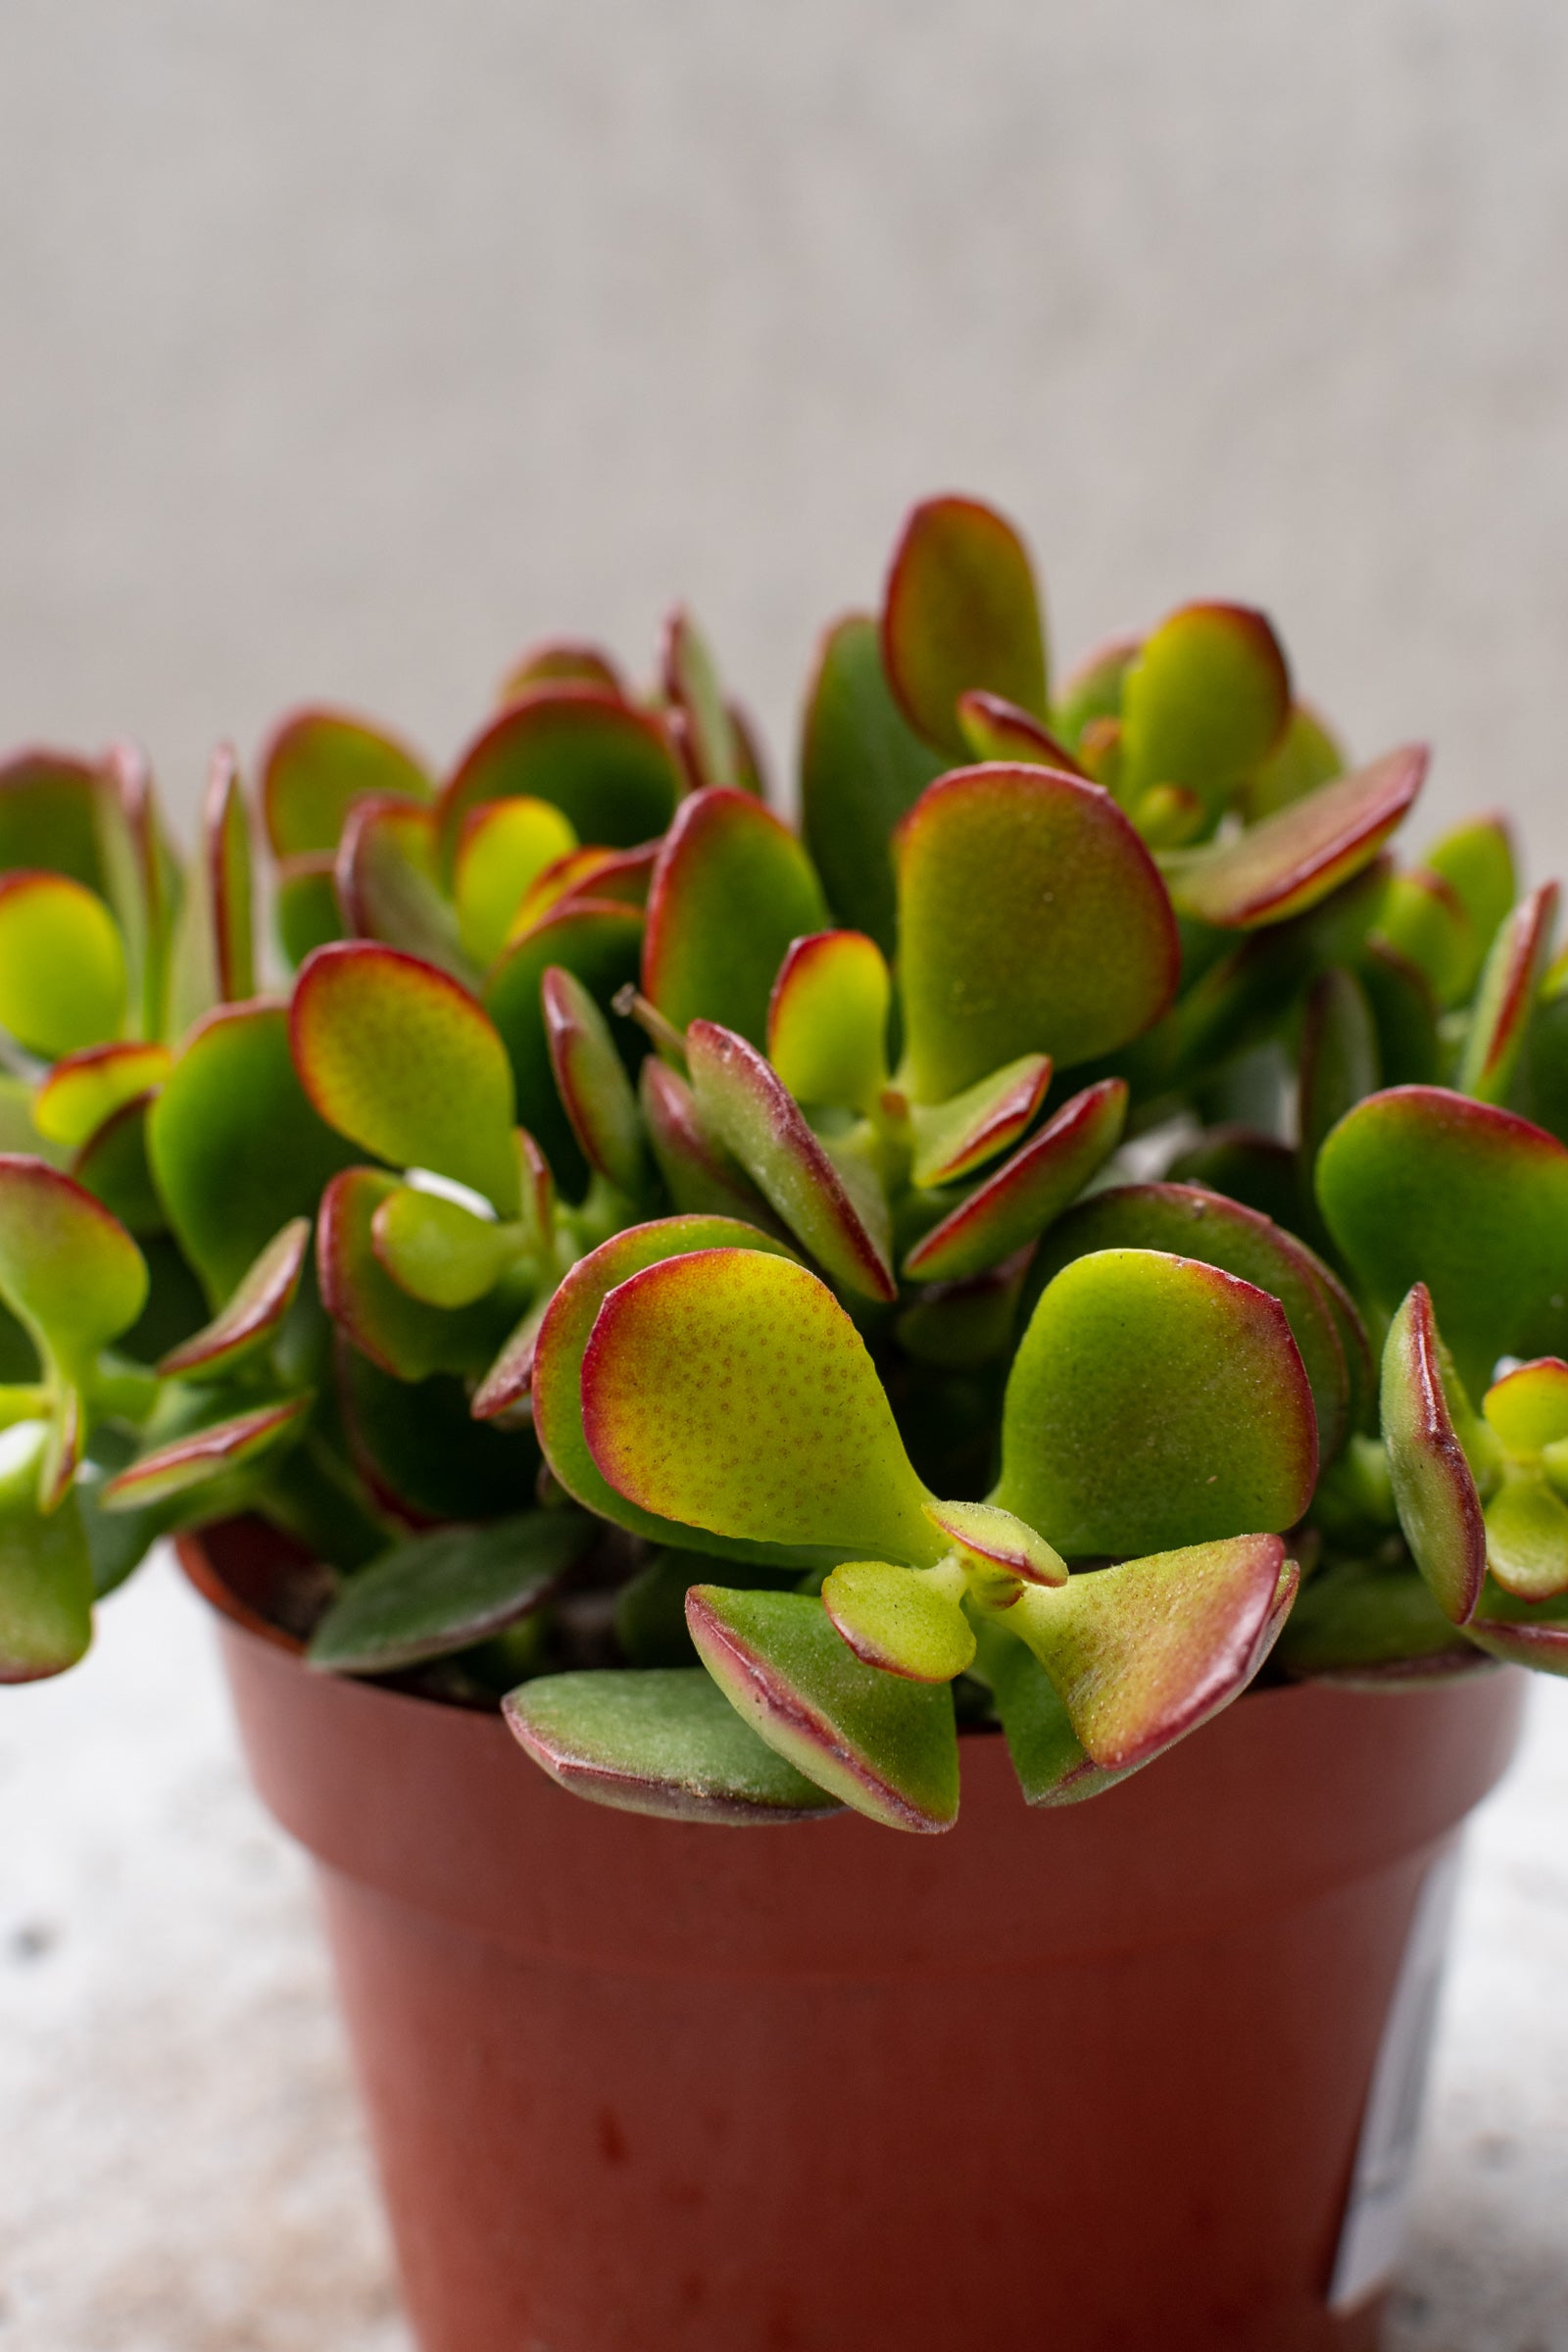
column 1404, row 1011
column 1031, row 920
column 1154, row 1404
column 732, row 888
column 214, row 957
column 1477, row 859
column 254, row 1316
column 1028, row 1192
column 900, row 1619
column 592, row 1081
column 960, row 609
column 235, row 1146
column 1047, row 1754
column 1143, row 1654
column 386, row 879
column 62, row 980
column 1528, row 1407
column 141, row 880
column 561, row 661
column 557, row 1378
column 112, row 1165
column 68, row 1269
column 84, row 1089
column 317, row 763
column 50, row 816
column 1306, row 756
column 437, row 1250
column 601, row 945
column 1259, row 1171
column 1422, row 1184
column 1509, row 986
column 994, row 728
column 621, row 876
column 1433, row 1489
column 665, row 1741
column 304, row 906
column 994, row 1539
column 1521, row 1633
column 827, row 1019
column 730, row 1391
column 1373, row 1629
column 1527, row 1539
column 691, row 685
column 397, row 1057
column 400, row 1333
column 1289, row 861
column 422, row 1453
column 445, row 1590
column 606, row 765
column 1205, row 703
column 862, row 767
column 1093, row 688
column 1339, row 1061
column 953, row 1138
column 1425, row 921
column 47, row 1590
column 963, row 1325
column 205, row 1456
column 878, row 1741
column 700, row 1177
column 1189, row 1222
column 842, row 1221
column 503, row 848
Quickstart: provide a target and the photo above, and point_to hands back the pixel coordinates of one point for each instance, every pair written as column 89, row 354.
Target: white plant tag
column 1373, row 2229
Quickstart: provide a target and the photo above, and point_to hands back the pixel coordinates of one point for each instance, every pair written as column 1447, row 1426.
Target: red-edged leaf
column 996, row 1540
column 402, row 1335
column 562, row 661
column 1291, row 859
column 700, row 1177
column 732, row 888
column 592, row 1081
column 1204, row 704
column 387, row 885
column 600, row 943
column 1092, row 690
column 254, row 1315
column 315, row 763
column 1028, row 1192
column 62, row 984
column 960, row 609
column 827, row 1019
column 953, row 1138
column 214, row 954
column 305, row 905
column 1509, row 986
column 1439, row 1510
column 86, row 1089
column 691, row 684
column 503, row 848
column 209, row 1454
column 608, row 766
column 1528, row 1406
column 994, row 728
column 1339, row 1061
column 49, row 816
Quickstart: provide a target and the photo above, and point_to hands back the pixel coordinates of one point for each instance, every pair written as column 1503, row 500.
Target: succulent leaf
column 993, row 728
column 1527, row 1539
column 606, row 766
column 214, row 954
column 1433, row 1487
column 445, row 1590
column 561, row 661
column 1367, row 1628
column 254, row 1316
column 1339, row 1064
column 691, row 688
column 437, row 1250
column 960, row 609
column 1510, row 983
column 47, row 1590
column 205, row 1456
column 503, row 848
column 1205, row 703
column 592, row 1081
column 63, row 983
column 1426, row 921
column 1476, row 859
column 700, row 1176
column 902, row 1620
column 400, row 1332
column 317, row 763
column 862, row 767
column 827, row 1019
column 50, row 816
column 1023, row 1198
column 731, row 890
column 86, row 1087
column 1047, row 1754
column 993, row 1539
column 68, row 1269
column 1307, row 756
column 386, row 878
column 1528, row 1406
column 953, row 1138
column 1291, row 860
column 600, row 943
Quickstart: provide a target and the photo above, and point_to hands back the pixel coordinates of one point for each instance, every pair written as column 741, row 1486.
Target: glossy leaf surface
column 208, row 1454
column 68, row 1269
column 402, row 1333
column 898, row 1620
column 1527, row 1539
column 700, row 1176
column 960, row 609
column 1434, row 1487
column 953, row 1138
column 985, row 1534
column 437, row 1250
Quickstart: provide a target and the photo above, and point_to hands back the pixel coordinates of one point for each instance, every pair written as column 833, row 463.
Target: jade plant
column 1068, row 1229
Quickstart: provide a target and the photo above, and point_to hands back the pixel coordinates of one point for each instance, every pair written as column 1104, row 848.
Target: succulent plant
column 755, row 1301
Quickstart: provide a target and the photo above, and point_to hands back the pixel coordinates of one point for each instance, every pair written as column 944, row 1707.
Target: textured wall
column 346, row 347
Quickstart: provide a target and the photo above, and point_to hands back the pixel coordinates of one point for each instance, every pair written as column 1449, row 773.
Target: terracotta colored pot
column 1089, row 2080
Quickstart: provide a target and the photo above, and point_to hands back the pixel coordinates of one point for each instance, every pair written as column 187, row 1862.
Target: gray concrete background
column 344, row 349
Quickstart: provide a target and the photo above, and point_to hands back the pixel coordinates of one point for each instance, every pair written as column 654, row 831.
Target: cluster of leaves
column 760, row 1299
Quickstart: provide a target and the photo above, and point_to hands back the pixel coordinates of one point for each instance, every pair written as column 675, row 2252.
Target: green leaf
column 557, row 660
column 862, row 767
column 435, row 1249
column 141, row 880
column 900, row 1620
column 445, row 1590
column 700, row 1176
column 1528, row 1407
column 214, row 959
column 61, row 967
column 827, row 1019
column 304, row 906
column 878, row 1741
column 1020, row 1200
column 730, row 1391
column 1156, row 1403
column 50, row 816
column 235, row 1148
column 953, row 1138
column 1404, row 1011
column 400, row 1332
column 421, row 1451
column 254, row 1316
column 1093, row 689
column 592, row 1081
column 207, row 1455
column 388, row 885
column 960, row 609
column 600, row 943
column 605, row 766
column 1433, row 1489
column 1031, row 920
column 1527, row 1539
column 1205, row 703
column 993, row 728
column 1505, row 999
column 317, row 763
column 663, row 1742
column 68, row 1269
column 503, row 848
column 1339, row 1064
column 1047, row 1754
column 1476, row 859
column 45, row 1571
column 1306, row 757
column 402, row 1060
column 838, row 1213
column 732, row 888
column 1425, row 921
column 1292, row 860
column 1372, row 1628
column 1521, row 1633
column 86, row 1089
column 697, row 703
column 993, row 1539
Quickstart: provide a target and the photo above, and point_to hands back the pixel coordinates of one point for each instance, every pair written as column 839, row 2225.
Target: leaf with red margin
column 898, row 1620
column 1434, row 1487
column 557, row 1382
column 1031, row 920
column 69, row 1270
column 49, row 816
column 960, row 609
column 562, row 661
column 1189, row 1222
column 1477, row 860
column 994, row 1539
column 423, row 1457
column 400, row 1059
column 1046, row 1752
column 592, row 1081
column 1256, row 1169
column 1338, row 1065
column 1287, row 863
column 1093, row 688
column 700, row 1177
column 402, row 1333
column 1366, row 1628
column 691, row 684
column 1410, row 1050
column 234, row 1145
column 387, row 887
column 502, row 1394
column 882, row 1743
column 141, row 879
column 1145, row 1652
column 732, row 888
column 206, row 1456
column 862, row 767
column 1505, row 999
column 1028, row 1192
column 1307, row 756
column 1156, row 1403
column 86, row 1089
column 1425, row 921
column 600, row 943
column 606, row 765
column 503, row 848
column 827, row 1019
column 63, row 983
column 1521, row 1633
column 315, row 763
column 751, row 767
column 1205, row 703
column 1420, row 1184
column 664, row 1742
column 621, row 876
column 444, row 1590
column 305, row 910
column 993, row 728
column 214, row 959
column 1527, row 1539
column 730, row 1391
column 953, row 1138
column 45, row 1570
column 438, row 1250
column 254, row 1316
column 743, row 1105
column 1528, row 1406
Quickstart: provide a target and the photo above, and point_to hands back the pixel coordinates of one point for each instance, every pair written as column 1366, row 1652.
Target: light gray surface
column 183, row 2166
